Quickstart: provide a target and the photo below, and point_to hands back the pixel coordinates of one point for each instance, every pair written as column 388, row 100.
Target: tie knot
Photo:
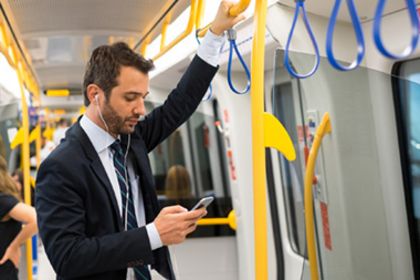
column 117, row 148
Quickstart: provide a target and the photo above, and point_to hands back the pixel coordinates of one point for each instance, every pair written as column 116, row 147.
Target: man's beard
column 116, row 123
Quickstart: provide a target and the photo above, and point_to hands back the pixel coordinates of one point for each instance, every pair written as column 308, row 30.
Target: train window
column 407, row 97
column 9, row 107
column 284, row 108
column 8, row 79
column 186, row 167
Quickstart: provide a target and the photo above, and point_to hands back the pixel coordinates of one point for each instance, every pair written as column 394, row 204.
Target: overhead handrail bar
column 234, row 11
column 230, row 220
column 300, row 6
column 322, row 130
column 358, row 32
column 233, row 47
column 180, row 37
column 412, row 11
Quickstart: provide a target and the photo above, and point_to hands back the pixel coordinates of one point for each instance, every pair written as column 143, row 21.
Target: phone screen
column 204, row 202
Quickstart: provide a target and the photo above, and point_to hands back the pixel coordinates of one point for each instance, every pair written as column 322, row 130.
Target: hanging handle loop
column 411, row 6
column 300, row 7
column 233, row 47
column 357, row 30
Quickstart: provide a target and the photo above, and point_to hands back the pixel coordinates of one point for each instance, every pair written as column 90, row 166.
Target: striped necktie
column 141, row 272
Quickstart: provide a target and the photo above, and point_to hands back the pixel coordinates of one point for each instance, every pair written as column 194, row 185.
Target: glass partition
column 186, row 167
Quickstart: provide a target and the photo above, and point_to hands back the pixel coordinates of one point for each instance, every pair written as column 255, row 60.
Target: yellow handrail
column 324, row 128
column 200, row 13
column 187, row 31
column 258, row 147
column 229, row 220
column 236, row 10
column 165, row 25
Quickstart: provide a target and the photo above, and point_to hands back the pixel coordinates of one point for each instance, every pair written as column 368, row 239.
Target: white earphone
column 125, row 161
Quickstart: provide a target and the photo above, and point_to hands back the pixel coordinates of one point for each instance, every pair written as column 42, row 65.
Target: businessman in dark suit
column 97, row 207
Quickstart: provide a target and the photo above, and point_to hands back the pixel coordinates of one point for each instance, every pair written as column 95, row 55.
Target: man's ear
column 91, row 91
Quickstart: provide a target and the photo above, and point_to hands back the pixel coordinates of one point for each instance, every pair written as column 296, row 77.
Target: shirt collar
column 99, row 138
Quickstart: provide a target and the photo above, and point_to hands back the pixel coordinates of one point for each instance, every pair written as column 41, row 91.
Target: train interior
column 365, row 186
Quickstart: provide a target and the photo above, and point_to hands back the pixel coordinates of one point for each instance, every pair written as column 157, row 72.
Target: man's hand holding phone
column 174, row 223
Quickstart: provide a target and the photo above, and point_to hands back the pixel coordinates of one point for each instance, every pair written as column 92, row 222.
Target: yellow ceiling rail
column 230, row 220
column 236, row 10
column 187, row 31
column 3, row 36
column 324, row 128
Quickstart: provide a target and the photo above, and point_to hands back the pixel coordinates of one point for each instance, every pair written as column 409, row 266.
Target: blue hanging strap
column 300, row 6
column 358, row 32
column 232, row 39
column 208, row 95
column 411, row 5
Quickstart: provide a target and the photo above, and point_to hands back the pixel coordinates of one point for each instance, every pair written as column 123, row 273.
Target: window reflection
column 408, row 96
column 186, row 167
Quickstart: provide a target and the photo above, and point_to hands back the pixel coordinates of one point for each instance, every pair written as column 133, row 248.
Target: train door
column 406, row 91
column 352, row 224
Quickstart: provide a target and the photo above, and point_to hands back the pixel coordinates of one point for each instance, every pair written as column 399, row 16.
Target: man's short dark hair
column 105, row 64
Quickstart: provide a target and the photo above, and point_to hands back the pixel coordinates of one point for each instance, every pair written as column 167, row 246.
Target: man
column 60, row 131
column 96, row 202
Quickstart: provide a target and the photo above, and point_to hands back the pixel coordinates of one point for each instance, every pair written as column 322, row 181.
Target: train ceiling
column 60, row 35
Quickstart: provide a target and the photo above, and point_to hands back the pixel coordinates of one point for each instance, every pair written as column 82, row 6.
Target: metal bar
column 258, row 147
column 324, row 128
column 184, row 34
column 236, row 10
column 25, row 163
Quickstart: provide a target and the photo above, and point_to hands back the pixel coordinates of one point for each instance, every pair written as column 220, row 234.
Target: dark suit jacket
column 78, row 216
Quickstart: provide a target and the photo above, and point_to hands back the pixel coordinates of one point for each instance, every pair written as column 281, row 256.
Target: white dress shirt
column 209, row 51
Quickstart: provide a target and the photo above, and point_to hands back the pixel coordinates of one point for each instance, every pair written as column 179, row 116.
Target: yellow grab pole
column 324, row 128
column 199, row 14
column 230, row 220
column 236, row 10
column 258, row 147
column 25, row 163
column 38, row 145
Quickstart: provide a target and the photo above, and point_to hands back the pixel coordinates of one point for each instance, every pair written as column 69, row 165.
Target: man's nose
column 140, row 108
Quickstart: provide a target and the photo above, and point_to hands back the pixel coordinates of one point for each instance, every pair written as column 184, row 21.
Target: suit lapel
column 99, row 171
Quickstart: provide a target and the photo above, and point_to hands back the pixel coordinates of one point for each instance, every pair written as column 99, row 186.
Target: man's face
column 125, row 104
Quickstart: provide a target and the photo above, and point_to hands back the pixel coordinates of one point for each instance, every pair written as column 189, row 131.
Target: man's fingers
column 194, row 215
column 174, row 209
column 239, row 18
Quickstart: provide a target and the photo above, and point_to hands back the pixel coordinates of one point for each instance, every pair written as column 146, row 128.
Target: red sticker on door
column 326, row 226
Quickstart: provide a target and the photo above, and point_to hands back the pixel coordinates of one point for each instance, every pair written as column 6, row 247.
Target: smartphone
column 204, row 202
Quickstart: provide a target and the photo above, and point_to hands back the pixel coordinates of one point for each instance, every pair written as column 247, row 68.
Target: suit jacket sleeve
column 61, row 216
column 179, row 105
